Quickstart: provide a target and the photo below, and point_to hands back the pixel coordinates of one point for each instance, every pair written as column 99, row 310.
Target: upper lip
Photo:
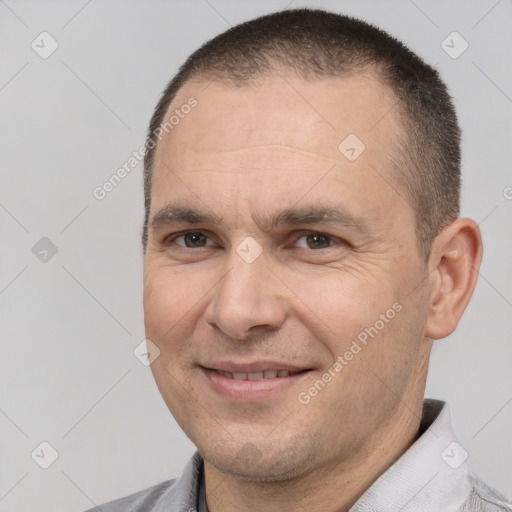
column 255, row 366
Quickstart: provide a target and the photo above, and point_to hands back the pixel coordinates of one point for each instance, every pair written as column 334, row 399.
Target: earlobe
column 454, row 264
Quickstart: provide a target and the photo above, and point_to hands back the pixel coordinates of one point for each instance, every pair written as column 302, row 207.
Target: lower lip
column 250, row 390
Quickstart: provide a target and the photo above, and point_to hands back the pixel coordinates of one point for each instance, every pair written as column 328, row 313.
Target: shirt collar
column 431, row 475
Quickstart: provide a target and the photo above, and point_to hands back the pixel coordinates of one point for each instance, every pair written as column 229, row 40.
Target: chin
column 260, row 462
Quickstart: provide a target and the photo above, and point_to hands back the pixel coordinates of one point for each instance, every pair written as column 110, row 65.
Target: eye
column 316, row 241
column 192, row 239
column 197, row 239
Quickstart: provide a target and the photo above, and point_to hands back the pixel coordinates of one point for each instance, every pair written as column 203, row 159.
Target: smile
column 251, row 386
column 265, row 374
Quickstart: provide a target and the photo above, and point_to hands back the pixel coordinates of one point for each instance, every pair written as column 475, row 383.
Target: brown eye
column 316, row 241
column 192, row 239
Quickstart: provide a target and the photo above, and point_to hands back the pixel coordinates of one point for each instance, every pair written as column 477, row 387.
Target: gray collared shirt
column 431, row 476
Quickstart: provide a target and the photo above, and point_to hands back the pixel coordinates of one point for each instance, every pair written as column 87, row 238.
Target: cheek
column 342, row 305
column 170, row 301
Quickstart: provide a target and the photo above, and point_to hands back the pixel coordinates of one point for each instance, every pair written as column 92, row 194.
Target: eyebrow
column 174, row 213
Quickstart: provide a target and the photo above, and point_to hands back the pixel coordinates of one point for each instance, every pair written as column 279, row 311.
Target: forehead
column 312, row 115
column 280, row 138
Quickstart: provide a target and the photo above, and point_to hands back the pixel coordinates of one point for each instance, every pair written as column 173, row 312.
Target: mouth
column 261, row 375
column 253, row 384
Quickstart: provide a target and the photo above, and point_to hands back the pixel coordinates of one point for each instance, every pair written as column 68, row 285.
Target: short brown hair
column 317, row 44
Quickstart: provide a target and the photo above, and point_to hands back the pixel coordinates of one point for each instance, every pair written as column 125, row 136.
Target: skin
column 241, row 154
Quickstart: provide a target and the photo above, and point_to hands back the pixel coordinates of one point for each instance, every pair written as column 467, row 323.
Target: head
column 315, row 44
column 302, row 213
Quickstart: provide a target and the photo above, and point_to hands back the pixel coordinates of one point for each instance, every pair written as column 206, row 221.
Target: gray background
column 69, row 325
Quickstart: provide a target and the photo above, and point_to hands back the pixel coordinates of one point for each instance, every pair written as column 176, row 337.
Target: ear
column 453, row 271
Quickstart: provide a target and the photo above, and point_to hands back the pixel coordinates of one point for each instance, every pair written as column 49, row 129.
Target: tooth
column 269, row 374
column 227, row 375
column 283, row 373
column 240, row 376
column 255, row 376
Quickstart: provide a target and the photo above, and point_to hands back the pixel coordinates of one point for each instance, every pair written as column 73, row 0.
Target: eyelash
column 171, row 238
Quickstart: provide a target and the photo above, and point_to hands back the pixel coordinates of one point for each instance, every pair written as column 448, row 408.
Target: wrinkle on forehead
column 275, row 112
column 280, row 147
column 273, row 128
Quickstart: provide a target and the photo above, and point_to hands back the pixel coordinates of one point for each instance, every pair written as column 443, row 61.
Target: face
column 282, row 274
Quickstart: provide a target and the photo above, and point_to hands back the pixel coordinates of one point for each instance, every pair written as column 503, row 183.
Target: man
column 302, row 250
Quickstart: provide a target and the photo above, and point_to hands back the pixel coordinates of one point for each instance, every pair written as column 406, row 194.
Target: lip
column 250, row 390
column 255, row 366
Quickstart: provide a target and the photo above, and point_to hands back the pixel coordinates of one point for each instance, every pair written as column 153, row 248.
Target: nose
column 248, row 301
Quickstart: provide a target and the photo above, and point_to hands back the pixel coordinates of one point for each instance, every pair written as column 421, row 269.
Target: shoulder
column 485, row 499
column 176, row 494
column 136, row 502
